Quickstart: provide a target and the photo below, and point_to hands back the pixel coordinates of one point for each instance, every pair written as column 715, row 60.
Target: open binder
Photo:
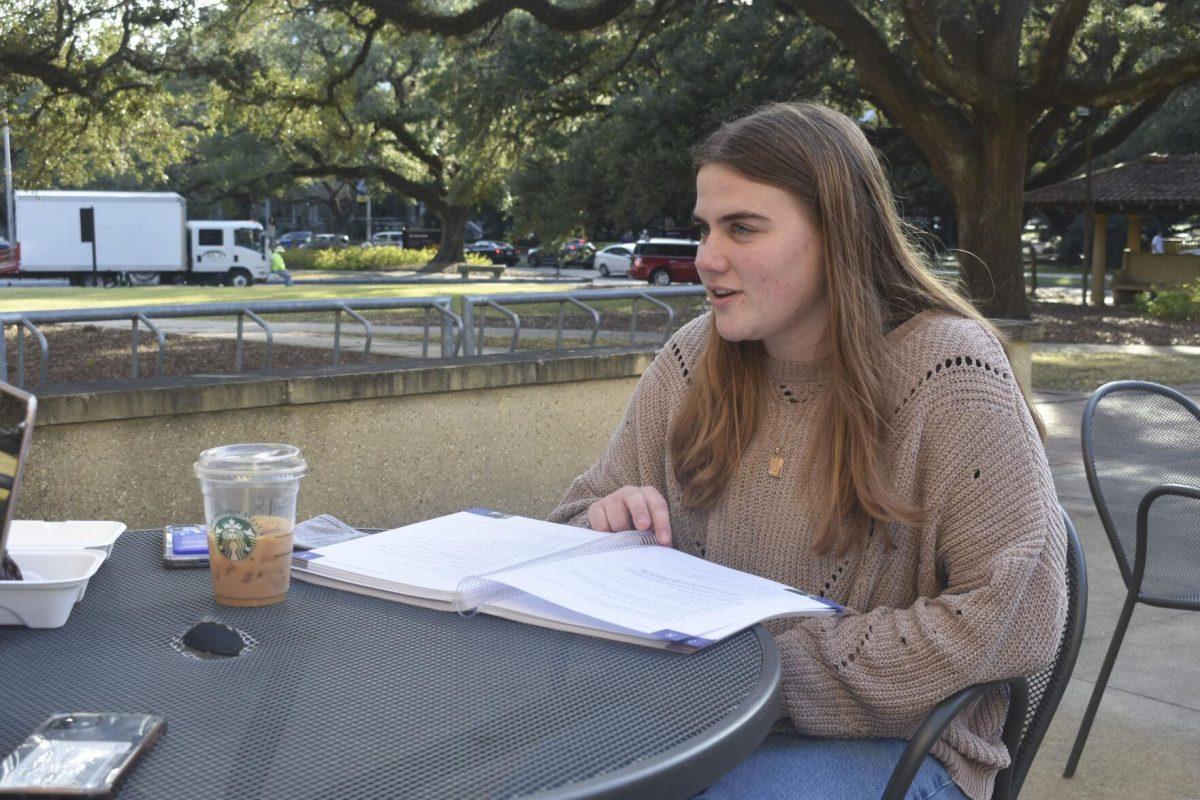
column 616, row 586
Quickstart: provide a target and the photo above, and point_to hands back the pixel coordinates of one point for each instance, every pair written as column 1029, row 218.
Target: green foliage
column 65, row 142
column 301, row 93
column 367, row 258
column 1172, row 304
column 628, row 162
column 89, row 104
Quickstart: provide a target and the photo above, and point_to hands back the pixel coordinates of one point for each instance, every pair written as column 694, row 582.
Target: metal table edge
column 696, row 764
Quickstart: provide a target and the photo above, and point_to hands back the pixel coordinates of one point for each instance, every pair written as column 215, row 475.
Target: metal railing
column 450, row 327
column 465, row 334
column 475, row 308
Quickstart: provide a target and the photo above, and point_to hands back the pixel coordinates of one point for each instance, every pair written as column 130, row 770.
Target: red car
column 663, row 261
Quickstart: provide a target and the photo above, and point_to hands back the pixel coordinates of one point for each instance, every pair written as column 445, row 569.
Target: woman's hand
column 632, row 508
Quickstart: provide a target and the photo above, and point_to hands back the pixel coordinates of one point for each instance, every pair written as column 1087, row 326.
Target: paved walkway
column 1139, row 349
column 319, row 335
column 1145, row 742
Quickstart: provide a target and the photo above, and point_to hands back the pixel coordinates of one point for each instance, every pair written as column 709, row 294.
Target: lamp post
column 1089, row 213
column 8, row 186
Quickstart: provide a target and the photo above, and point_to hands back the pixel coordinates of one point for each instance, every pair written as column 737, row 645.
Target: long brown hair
column 875, row 276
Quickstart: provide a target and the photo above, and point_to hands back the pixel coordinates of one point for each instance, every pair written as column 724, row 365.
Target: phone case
column 185, row 546
column 78, row 755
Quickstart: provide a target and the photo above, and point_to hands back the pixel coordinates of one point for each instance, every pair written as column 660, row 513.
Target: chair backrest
column 17, row 410
column 1136, row 436
column 1029, row 716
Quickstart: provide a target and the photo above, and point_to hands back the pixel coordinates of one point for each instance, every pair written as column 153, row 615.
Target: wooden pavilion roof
column 1149, row 184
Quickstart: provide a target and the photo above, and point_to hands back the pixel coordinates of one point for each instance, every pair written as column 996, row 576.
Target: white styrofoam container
column 33, row 534
column 55, row 581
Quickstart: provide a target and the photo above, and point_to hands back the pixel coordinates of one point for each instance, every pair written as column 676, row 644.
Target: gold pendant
column 775, row 467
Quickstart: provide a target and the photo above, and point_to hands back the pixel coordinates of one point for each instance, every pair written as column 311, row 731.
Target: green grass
column 1084, row 372
column 1070, row 281
column 47, row 299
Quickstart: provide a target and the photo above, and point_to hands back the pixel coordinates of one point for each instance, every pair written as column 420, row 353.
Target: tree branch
column 319, row 168
column 411, row 144
column 1044, row 129
column 340, row 77
column 1056, row 49
column 50, row 52
column 942, row 134
column 412, row 16
column 960, row 82
column 1068, row 161
column 1002, row 39
column 1166, row 75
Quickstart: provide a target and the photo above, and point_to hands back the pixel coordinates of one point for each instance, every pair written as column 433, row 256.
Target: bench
column 1153, row 272
column 466, row 269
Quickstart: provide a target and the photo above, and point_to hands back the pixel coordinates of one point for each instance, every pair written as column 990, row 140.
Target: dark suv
column 661, row 261
column 294, row 239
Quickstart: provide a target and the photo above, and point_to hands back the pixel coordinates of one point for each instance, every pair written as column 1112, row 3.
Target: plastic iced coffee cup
column 250, row 511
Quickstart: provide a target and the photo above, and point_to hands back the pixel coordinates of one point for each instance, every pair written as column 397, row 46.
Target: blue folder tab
column 487, row 512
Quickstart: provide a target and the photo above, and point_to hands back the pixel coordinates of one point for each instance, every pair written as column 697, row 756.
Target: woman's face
column 760, row 260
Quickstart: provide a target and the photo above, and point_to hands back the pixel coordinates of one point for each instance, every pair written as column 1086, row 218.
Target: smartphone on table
column 185, row 546
column 78, row 755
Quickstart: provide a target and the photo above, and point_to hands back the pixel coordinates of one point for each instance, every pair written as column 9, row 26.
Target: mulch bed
column 82, row 354
column 1071, row 323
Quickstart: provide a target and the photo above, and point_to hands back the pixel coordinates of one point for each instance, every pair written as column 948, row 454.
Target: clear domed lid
column 251, row 462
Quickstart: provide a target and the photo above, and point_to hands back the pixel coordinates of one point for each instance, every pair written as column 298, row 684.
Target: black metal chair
column 1141, row 450
column 1032, row 699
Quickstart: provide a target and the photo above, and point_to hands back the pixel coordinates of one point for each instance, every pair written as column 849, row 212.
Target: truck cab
column 229, row 251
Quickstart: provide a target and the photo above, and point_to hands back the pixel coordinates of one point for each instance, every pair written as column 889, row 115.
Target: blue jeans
column 801, row 767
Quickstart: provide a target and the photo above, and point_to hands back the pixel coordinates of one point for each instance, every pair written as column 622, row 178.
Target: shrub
column 364, row 258
column 1172, row 304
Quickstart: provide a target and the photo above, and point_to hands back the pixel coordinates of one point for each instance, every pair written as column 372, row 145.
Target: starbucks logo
column 235, row 537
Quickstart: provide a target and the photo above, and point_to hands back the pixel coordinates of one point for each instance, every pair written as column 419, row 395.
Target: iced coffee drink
column 250, row 509
column 250, row 559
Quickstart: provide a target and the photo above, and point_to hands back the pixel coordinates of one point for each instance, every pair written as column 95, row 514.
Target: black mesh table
column 345, row 696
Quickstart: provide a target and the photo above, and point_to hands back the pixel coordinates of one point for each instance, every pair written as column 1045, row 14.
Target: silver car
column 386, row 239
column 614, row 260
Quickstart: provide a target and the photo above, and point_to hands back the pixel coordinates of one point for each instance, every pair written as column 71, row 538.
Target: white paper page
column 524, row 605
column 438, row 553
column 652, row 589
column 530, row 609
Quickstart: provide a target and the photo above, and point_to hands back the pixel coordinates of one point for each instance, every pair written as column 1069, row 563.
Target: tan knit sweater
column 978, row 594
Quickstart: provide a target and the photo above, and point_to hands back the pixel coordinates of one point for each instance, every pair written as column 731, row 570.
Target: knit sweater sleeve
column 636, row 453
column 991, row 596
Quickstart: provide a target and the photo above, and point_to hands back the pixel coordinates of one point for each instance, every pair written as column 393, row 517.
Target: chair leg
column 1090, row 715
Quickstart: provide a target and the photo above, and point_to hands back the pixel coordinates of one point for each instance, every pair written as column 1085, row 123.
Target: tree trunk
column 454, row 226
column 990, row 215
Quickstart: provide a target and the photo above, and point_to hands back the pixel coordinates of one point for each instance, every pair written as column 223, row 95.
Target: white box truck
column 141, row 238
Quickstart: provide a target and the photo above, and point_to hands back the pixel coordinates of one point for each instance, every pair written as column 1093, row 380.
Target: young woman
column 844, row 423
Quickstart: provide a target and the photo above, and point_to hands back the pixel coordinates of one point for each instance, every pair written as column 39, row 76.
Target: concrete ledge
column 1020, row 335
column 386, row 447
column 1019, row 330
column 199, row 394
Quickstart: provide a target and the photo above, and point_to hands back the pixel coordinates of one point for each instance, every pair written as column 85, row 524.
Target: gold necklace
column 775, row 465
